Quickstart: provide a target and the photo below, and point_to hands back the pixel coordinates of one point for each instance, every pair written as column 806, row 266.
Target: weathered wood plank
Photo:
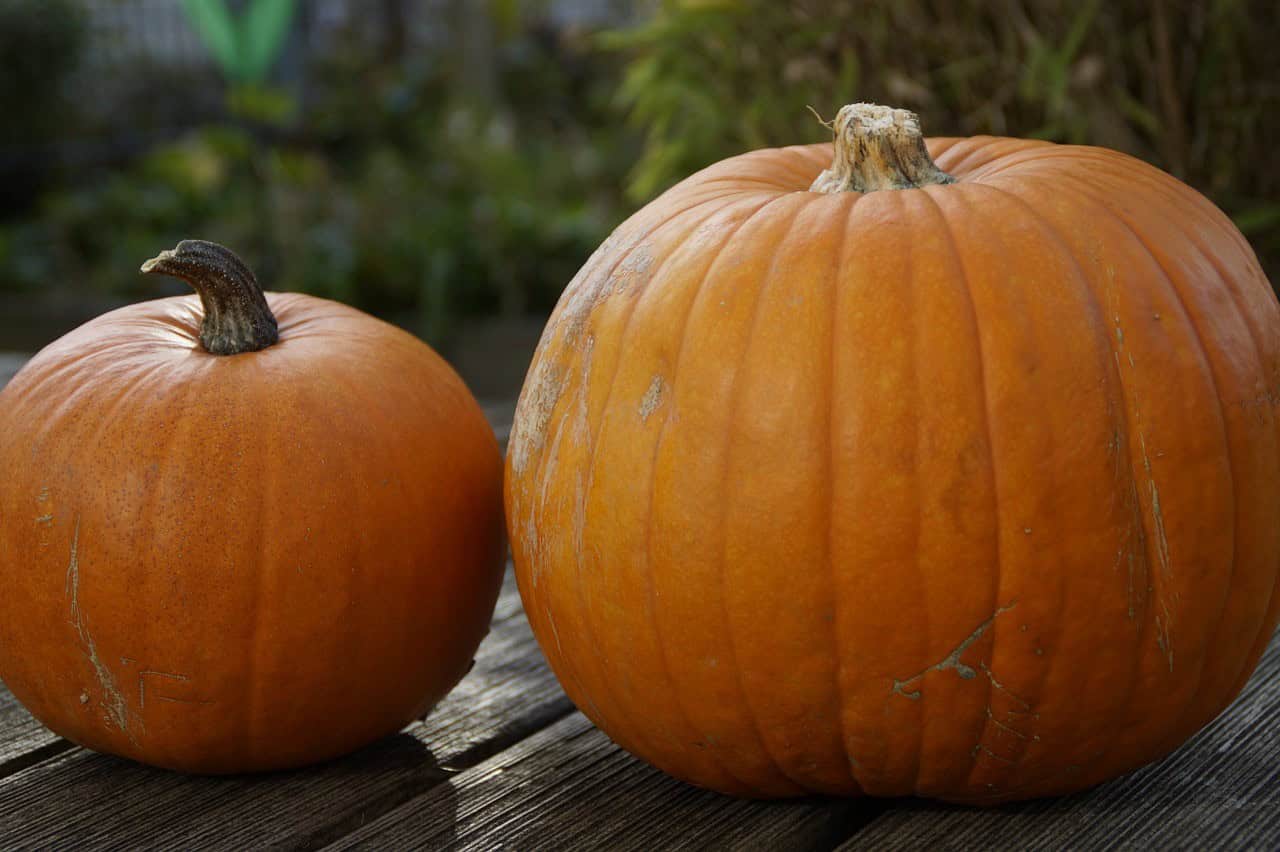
column 23, row 740
column 569, row 787
column 1219, row 791
column 99, row 801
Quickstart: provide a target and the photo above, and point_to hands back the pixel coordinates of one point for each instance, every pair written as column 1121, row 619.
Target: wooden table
column 507, row 762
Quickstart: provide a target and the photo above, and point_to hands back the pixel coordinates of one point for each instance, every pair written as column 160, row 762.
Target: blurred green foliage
column 477, row 177
column 1190, row 85
column 246, row 45
column 393, row 185
column 41, row 42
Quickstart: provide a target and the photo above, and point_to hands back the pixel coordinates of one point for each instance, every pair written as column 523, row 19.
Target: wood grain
column 569, row 787
column 105, row 802
column 1219, row 791
column 23, row 740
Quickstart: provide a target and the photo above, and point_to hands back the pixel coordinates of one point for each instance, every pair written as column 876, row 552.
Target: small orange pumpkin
column 842, row 471
column 231, row 544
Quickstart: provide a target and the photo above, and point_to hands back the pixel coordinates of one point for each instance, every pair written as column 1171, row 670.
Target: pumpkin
column 241, row 532
column 940, row 467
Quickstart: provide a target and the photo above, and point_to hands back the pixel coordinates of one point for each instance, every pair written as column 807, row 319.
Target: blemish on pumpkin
column 547, row 380
column 652, row 398
column 548, row 474
column 534, row 545
column 636, row 266
column 115, row 709
column 44, row 520
column 1113, row 443
column 582, row 423
column 953, row 660
column 1163, row 628
column 71, row 586
column 575, row 425
column 579, row 513
column 1130, row 595
column 555, row 634
column 585, row 294
column 981, row 749
column 991, row 717
column 1163, row 640
column 537, row 402
column 142, row 687
column 1022, row 702
column 588, row 290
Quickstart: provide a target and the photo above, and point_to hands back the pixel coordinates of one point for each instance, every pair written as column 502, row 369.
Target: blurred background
column 449, row 164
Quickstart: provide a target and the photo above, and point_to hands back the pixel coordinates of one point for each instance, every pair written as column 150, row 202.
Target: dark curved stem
column 878, row 147
column 236, row 316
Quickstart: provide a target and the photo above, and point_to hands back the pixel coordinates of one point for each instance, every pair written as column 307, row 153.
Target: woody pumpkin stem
column 236, row 316
column 878, row 147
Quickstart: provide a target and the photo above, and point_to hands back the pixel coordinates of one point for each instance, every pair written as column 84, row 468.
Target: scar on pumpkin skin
column 1164, row 626
column 1007, row 728
column 982, row 749
column 652, row 398
column 115, row 708
column 45, row 519
column 952, row 660
column 1164, row 639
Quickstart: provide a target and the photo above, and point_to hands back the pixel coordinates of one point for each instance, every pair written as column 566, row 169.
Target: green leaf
column 213, row 24
column 262, row 34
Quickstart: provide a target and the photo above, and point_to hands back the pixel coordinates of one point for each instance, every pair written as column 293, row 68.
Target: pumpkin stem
column 236, row 316
column 878, row 147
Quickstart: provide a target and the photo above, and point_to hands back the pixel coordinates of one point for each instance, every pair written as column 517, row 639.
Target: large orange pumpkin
column 849, row 473
column 247, row 560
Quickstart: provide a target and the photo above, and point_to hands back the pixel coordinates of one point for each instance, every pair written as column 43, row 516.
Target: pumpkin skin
column 964, row 491
column 234, row 563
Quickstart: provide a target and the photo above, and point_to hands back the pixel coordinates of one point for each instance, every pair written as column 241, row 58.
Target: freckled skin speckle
column 281, row 555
